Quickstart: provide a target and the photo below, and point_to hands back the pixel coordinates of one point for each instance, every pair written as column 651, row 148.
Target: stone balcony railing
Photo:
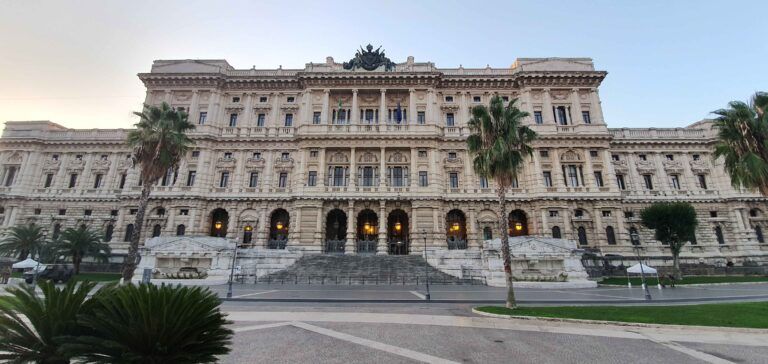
column 659, row 133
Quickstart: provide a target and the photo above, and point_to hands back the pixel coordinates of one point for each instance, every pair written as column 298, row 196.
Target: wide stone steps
column 356, row 269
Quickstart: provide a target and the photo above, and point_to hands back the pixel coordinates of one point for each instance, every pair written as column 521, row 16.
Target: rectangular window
column 449, row 99
column 449, row 120
column 585, row 117
column 253, row 181
column 263, row 99
column 72, row 180
column 562, row 115
column 224, row 180
column 454, row 179
column 514, row 183
column 702, row 181
column 422, row 153
column 260, row 120
column 316, row 117
column 227, row 155
column 642, row 157
column 369, row 115
column 48, row 180
column 475, row 98
column 606, row 213
column 593, row 153
column 290, row 99
column 544, row 154
column 256, row 155
column 648, row 180
column 629, row 214
column 184, row 212
column 338, row 176
column 62, row 212
column 195, row 154
column 670, row 157
column 451, row 155
column 554, row 213
column 423, row 179
column 283, row 180
column 696, row 157
column 713, row 214
column 599, row 178
column 547, row 178
column 368, row 176
column 615, row 157
column 10, row 174
column 421, row 117
column 191, row 178
column 538, row 118
column 483, row 182
column 232, row 120
column 288, row 119
column 573, row 176
column 620, row 182
column 123, row 177
column 312, row 179
column 202, row 118
column 674, row 180
column 87, row 212
column 97, row 180
column 285, row 155
column 397, row 177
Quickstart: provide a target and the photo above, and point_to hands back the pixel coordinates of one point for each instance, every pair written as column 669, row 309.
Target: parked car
column 55, row 272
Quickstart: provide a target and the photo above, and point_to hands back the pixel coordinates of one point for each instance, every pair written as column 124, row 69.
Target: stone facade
column 329, row 159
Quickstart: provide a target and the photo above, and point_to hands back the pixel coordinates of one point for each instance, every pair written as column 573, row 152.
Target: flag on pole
column 399, row 113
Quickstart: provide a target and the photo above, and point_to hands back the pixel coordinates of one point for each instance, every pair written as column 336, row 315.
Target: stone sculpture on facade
column 369, row 60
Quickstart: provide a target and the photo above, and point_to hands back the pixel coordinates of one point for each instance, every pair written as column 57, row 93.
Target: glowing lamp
column 398, row 227
column 518, row 226
column 367, row 227
column 455, row 227
column 248, row 228
column 279, row 225
column 217, row 225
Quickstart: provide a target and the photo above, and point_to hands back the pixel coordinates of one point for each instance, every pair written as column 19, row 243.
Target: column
column 168, row 97
column 381, row 248
column 462, row 117
column 194, row 107
column 430, row 114
column 352, row 169
column 326, row 100
column 412, row 106
column 597, row 217
column 262, row 228
column 355, row 117
column 382, row 168
column 321, row 172
column 595, row 110
column 576, row 108
column 351, row 224
column 527, row 106
column 211, row 107
column 414, row 174
column 275, row 110
column 383, row 107
column 246, row 121
column 546, row 107
column 472, row 229
column 319, row 228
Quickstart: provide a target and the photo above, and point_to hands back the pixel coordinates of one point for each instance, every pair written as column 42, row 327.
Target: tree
column 159, row 142
column 499, row 143
column 30, row 325
column 742, row 131
column 674, row 224
column 23, row 241
column 80, row 243
column 153, row 324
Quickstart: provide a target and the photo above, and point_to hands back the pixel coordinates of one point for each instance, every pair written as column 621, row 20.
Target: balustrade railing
column 366, row 246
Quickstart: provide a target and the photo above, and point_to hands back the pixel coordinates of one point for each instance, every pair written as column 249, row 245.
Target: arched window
column 156, row 230
column 582, row 235
column 487, row 233
column 634, row 237
column 108, row 233
column 247, row 234
column 719, row 235
column 180, row 230
column 56, row 231
column 128, row 232
column 556, row 232
column 759, row 233
column 610, row 235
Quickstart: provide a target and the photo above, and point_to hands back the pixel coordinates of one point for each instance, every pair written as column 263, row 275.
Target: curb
column 692, row 285
column 745, row 330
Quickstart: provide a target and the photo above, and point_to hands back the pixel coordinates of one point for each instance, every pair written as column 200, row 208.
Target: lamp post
column 426, row 263
column 232, row 271
column 642, row 270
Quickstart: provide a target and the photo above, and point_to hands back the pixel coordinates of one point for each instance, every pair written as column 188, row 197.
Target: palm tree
column 152, row 324
column 23, row 241
column 499, row 143
column 743, row 142
column 80, row 243
column 159, row 142
column 31, row 325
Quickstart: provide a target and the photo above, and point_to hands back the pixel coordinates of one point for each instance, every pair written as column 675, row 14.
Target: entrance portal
column 518, row 223
column 397, row 232
column 278, row 229
column 335, row 231
column 367, row 232
column 219, row 219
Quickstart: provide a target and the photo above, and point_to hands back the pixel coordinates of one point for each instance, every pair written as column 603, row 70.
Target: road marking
column 410, row 354
column 259, row 327
column 419, row 295
column 255, row 293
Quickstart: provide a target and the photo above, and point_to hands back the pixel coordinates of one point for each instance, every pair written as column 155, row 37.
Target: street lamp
column 426, row 263
column 642, row 270
column 232, row 271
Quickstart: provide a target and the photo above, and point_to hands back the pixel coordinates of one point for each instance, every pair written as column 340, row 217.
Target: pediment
column 188, row 244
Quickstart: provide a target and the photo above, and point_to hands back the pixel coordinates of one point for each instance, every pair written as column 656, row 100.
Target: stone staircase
column 357, row 269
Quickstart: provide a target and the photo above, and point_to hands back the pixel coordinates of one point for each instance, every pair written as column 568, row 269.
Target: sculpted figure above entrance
column 369, row 60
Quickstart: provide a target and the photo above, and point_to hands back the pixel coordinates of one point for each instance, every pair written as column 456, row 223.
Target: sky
column 670, row 63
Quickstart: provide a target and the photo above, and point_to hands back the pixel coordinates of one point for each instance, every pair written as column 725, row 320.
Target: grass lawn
column 745, row 314
column 686, row 280
column 93, row 277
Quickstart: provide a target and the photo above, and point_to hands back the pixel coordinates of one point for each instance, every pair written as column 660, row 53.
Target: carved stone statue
column 369, row 60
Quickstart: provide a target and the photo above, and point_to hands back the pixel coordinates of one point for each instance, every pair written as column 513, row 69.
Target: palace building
column 370, row 157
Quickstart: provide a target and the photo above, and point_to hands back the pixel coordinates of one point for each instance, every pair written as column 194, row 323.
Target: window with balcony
column 338, row 176
column 48, row 180
column 572, row 175
column 423, row 179
column 288, row 119
column 562, row 115
column 191, row 178
column 312, row 179
column 232, row 120
column 449, row 119
column 421, row 117
column 253, row 180
column 369, row 116
column 260, row 120
column 282, row 181
column 648, row 181
column 547, row 178
column 599, row 178
column 368, row 177
column 224, row 179
column 454, row 180
column 316, row 117
column 620, row 182
column 398, row 178
column 629, row 214
column 514, row 183
column 538, row 118
column 585, row 116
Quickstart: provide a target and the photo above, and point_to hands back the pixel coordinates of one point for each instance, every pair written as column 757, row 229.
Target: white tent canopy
column 637, row 269
column 27, row 263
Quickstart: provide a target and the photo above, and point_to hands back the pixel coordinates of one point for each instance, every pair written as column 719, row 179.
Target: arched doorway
column 456, row 229
column 278, row 229
column 247, row 234
column 518, row 223
column 156, row 230
column 335, row 231
column 219, row 219
column 367, row 232
column 397, row 232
